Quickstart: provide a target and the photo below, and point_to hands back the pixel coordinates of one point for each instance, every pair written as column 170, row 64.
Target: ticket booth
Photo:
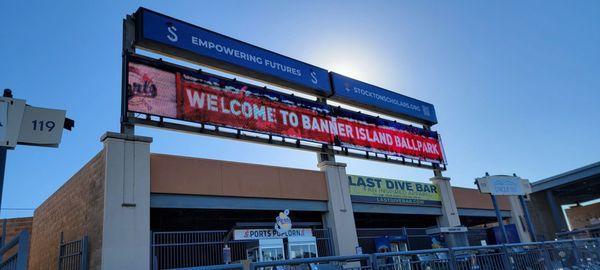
column 302, row 247
column 266, row 250
column 263, row 245
column 293, row 247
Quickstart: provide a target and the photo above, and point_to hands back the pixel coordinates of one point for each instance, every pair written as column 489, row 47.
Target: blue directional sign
column 179, row 39
column 375, row 98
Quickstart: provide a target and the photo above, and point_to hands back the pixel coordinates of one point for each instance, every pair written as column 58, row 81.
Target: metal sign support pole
column 437, row 171
column 499, row 217
column 527, row 218
column 128, row 48
column 3, row 152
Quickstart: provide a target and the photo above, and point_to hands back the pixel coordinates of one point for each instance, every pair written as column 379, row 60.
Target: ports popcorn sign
column 255, row 234
column 178, row 93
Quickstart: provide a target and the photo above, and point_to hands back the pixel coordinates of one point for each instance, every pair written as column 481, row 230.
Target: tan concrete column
column 340, row 216
column 449, row 217
column 455, row 237
column 517, row 217
column 126, row 217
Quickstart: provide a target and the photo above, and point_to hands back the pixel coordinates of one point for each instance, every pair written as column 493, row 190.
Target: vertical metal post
column 505, row 257
column 3, row 150
column 83, row 263
column 60, row 250
column 527, row 218
column 23, row 251
column 576, row 252
column 128, row 48
column 437, row 172
column 2, row 169
column 597, row 247
column 374, row 265
column 452, row 259
column 3, row 239
column 547, row 258
column 499, row 217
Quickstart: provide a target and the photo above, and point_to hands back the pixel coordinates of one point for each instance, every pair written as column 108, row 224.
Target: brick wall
column 472, row 198
column 75, row 209
column 14, row 226
column 582, row 216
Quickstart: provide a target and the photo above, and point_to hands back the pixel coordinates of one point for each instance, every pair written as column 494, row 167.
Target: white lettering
column 195, row 99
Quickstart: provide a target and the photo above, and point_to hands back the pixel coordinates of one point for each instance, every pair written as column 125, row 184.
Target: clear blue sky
column 516, row 84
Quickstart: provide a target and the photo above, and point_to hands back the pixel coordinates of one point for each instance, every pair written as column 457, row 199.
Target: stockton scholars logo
column 313, row 77
column 172, row 35
column 347, row 87
column 283, row 223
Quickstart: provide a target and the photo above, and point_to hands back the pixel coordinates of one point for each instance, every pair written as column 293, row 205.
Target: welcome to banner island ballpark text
column 206, row 99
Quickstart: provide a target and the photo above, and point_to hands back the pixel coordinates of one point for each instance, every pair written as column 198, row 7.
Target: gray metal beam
column 217, row 202
column 235, row 203
column 567, row 177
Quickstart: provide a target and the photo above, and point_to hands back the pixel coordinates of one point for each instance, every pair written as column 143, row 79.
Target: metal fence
column 356, row 262
column 587, row 232
column 416, row 238
column 567, row 254
column 205, row 248
column 73, row 255
column 570, row 254
column 14, row 254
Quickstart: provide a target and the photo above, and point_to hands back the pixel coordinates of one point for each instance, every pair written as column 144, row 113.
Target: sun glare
column 348, row 68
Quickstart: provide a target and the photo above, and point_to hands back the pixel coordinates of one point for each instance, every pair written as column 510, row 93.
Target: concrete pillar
column 517, row 217
column 449, row 217
column 340, row 216
column 126, row 223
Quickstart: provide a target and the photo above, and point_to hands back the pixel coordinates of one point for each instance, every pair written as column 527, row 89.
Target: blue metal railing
column 354, row 262
column 18, row 259
column 563, row 254
column 566, row 254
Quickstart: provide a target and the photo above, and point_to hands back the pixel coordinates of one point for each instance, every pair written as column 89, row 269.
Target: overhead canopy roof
column 579, row 185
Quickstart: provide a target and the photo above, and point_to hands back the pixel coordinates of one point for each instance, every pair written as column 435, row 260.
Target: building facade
column 131, row 203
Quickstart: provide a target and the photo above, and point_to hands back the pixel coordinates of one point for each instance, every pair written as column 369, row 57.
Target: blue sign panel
column 375, row 98
column 183, row 40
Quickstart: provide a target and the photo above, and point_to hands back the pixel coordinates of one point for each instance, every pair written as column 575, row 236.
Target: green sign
column 389, row 191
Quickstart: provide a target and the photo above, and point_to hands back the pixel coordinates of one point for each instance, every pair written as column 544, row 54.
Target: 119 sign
column 41, row 124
